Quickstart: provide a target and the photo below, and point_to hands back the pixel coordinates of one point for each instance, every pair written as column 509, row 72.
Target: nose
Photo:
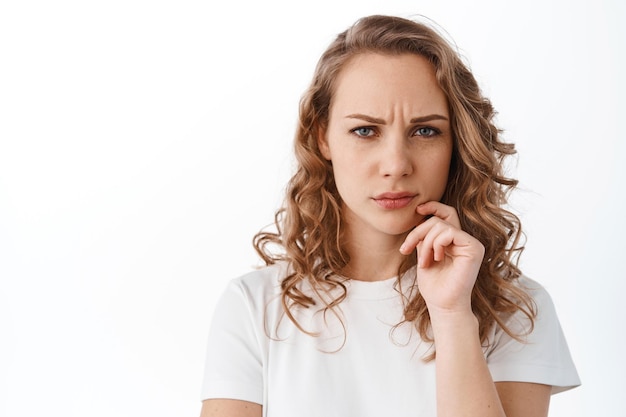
column 395, row 157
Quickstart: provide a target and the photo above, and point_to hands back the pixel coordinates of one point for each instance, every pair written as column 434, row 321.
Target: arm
column 464, row 383
column 448, row 263
column 230, row 408
column 233, row 377
column 524, row 399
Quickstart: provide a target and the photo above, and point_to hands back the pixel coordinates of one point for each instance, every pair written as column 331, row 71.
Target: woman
column 395, row 290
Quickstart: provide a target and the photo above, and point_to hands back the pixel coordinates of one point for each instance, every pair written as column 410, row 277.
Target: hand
column 448, row 259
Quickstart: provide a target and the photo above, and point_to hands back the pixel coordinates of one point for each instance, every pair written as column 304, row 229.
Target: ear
column 322, row 143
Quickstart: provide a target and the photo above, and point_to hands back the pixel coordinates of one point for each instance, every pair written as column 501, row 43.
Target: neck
column 374, row 260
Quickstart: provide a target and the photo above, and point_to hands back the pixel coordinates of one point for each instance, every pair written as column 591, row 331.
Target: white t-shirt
column 360, row 363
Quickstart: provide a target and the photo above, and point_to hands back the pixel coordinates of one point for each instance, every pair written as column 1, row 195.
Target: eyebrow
column 378, row 121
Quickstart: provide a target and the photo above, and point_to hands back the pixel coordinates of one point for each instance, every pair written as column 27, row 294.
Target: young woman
column 395, row 291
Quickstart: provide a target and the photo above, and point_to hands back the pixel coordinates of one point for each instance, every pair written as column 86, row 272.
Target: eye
column 426, row 132
column 363, row 132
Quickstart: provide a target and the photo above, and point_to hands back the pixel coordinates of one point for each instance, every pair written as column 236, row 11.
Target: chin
column 398, row 228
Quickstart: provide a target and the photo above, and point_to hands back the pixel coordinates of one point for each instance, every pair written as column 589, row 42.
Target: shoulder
column 263, row 276
column 539, row 295
column 537, row 308
column 533, row 350
column 260, row 285
column 245, row 300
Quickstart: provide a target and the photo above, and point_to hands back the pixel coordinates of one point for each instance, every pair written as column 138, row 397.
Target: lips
column 392, row 201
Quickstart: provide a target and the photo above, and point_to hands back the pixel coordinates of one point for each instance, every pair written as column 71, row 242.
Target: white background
column 143, row 143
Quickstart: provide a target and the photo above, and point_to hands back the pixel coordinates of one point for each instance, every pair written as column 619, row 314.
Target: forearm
column 464, row 383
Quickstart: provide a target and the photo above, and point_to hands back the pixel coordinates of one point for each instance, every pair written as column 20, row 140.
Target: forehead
column 376, row 81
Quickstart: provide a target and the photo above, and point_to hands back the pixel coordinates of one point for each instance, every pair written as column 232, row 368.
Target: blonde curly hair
column 309, row 225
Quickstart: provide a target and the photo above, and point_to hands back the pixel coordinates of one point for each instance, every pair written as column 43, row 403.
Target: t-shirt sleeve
column 542, row 356
column 233, row 368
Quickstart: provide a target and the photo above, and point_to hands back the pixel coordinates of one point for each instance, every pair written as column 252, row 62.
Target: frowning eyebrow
column 378, row 121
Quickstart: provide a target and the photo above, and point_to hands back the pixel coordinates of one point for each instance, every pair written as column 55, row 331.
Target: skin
column 389, row 131
column 230, row 408
column 376, row 146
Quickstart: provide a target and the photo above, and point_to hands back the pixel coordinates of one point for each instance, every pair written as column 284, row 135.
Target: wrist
column 456, row 323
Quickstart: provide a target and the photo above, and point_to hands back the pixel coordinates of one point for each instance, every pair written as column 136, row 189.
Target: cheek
column 439, row 173
column 342, row 173
column 349, row 174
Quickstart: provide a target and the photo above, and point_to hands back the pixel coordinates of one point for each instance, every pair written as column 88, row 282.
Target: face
column 389, row 142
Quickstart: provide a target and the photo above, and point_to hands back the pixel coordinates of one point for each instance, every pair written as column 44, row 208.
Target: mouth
column 392, row 201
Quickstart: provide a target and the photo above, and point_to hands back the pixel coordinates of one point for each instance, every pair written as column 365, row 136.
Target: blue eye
column 364, row 132
column 426, row 131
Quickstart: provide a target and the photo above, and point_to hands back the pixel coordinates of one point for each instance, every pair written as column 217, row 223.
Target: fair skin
column 390, row 144
column 388, row 135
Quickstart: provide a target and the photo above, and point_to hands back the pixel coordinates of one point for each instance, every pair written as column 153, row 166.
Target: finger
column 441, row 242
column 415, row 236
column 418, row 234
column 433, row 245
column 440, row 210
column 424, row 255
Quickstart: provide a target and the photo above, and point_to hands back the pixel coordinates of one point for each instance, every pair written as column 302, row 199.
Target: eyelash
column 433, row 131
column 356, row 129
